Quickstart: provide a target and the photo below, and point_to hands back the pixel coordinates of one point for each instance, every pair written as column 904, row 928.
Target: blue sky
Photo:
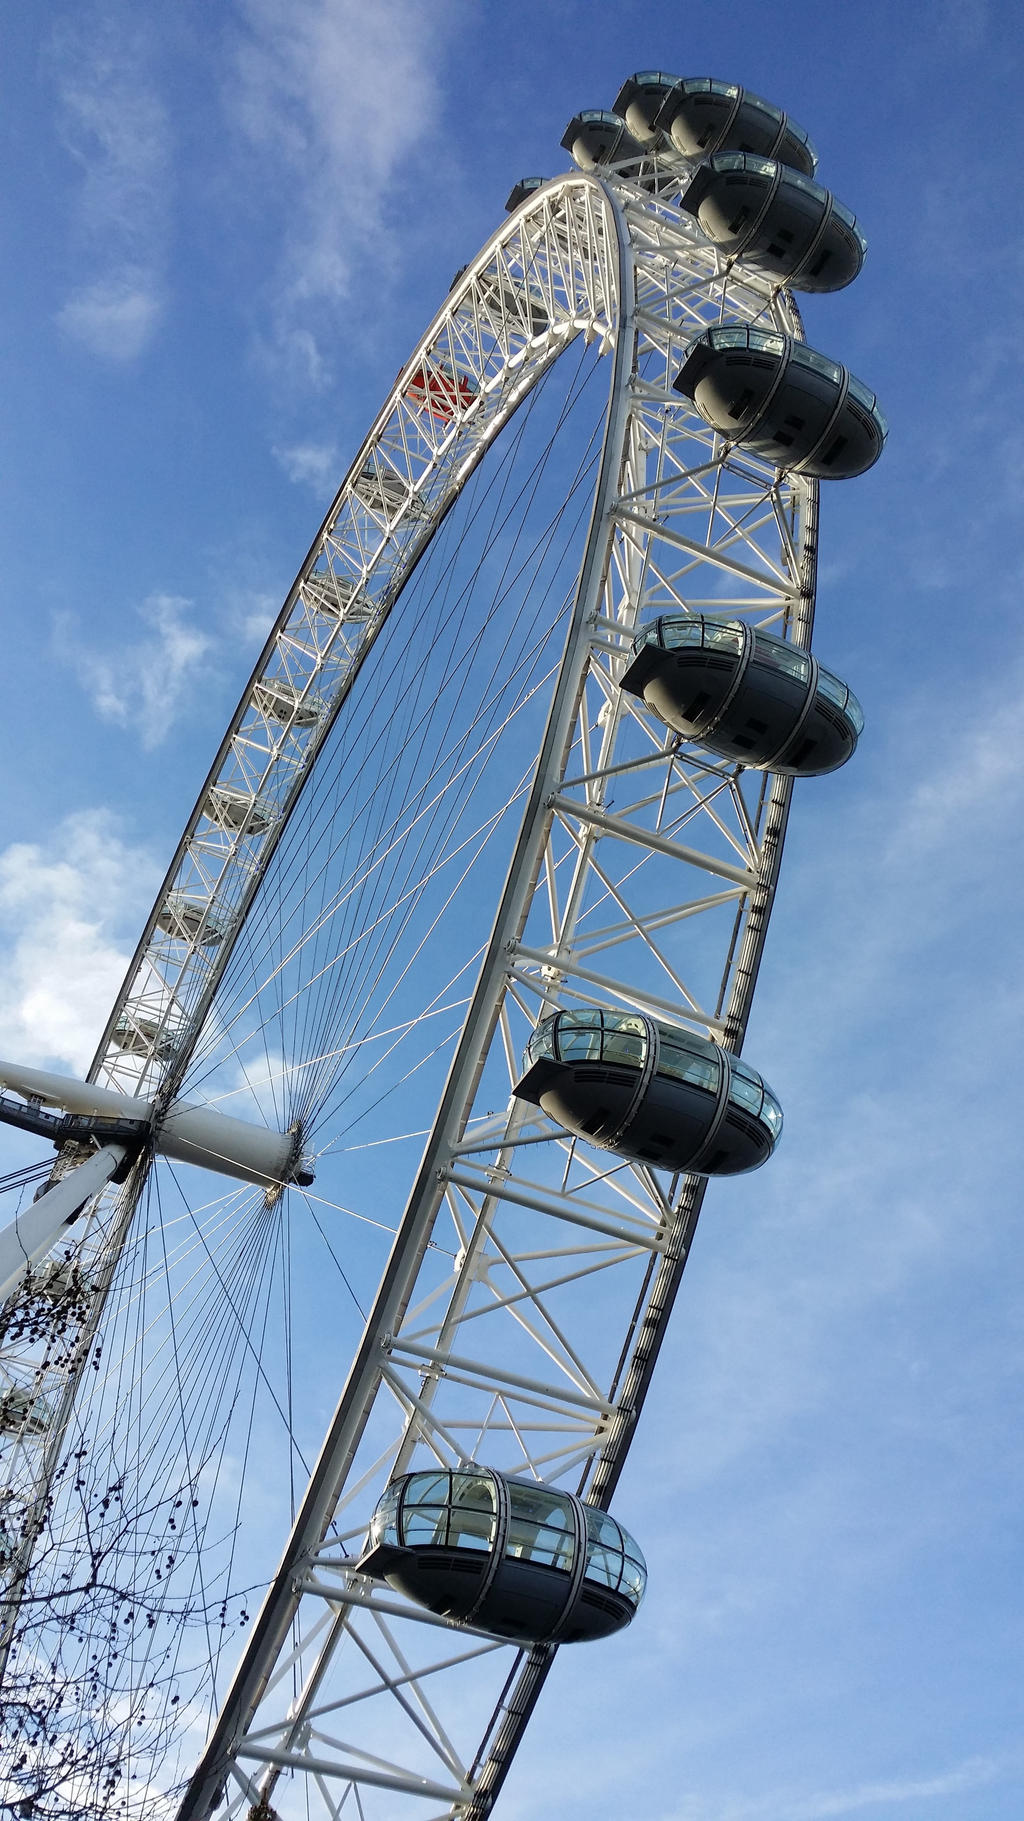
column 223, row 228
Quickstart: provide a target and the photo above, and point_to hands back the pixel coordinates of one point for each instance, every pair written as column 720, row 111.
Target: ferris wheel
column 432, row 1041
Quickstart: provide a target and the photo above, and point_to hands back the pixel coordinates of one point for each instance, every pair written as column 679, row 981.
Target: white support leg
column 39, row 1226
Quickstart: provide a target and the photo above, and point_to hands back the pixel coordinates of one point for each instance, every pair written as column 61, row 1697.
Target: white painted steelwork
column 190, row 1134
column 401, row 484
column 485, row 1366
column 37, row 1229
column 643, row 876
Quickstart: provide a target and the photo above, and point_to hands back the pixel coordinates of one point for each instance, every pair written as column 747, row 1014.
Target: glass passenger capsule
column 516, row 302
column 282, row 701
column 59, row 1279
column 783, row 401
column 21, row 1413
column 520, row 191
column 237, row 810
column 383, row 491
column 511, row 1557
column 761, row 211
column 335, row 595
column 437, row 389
column 188, row 920
column 597, row 136
column 745, row 693
column 701, row 115
column 136, row 1035
column 640, row 100
column 652, row 1092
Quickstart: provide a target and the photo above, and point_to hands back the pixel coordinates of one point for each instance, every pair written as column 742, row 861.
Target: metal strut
column 122, row 1127
column 611, row 859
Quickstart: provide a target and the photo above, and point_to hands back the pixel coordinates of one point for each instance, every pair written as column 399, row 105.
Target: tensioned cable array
column 397, row 822
column 352, row 809
column 523, row 1257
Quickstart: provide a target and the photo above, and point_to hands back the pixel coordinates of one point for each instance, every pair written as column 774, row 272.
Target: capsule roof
column 759, row 210
column 703, row 115
column 783, row 401
column 512, row 1557
column 520, row 191
column 597, row 136
column 639, row 101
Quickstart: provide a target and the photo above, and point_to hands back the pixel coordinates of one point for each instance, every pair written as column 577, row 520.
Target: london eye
column 434, row 1039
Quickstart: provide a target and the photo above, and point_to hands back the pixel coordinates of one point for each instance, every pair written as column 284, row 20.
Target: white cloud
column 331, row 95
column 114, row 125
column 63, row 904
column 114, row 318
column 142, row 687
column 249, row 618
column 313, row 465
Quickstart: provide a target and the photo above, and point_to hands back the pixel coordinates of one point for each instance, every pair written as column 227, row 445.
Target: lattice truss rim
column 361, row 554
column 623, row 1216
column 681, row 509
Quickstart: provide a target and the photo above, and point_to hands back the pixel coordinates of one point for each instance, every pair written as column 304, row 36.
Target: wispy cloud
column 115, row 317
column 964, row 23
column 886, row 1018
column 825, row 1805
column 248, row 617
column 114, row 124
column 143, row 687
column 313, row 465
column 63, row 903
column 331, row 96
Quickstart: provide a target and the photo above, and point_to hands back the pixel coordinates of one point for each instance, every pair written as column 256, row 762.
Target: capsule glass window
column 424, row 1513
column 473, row 1519
column 771, row 1113
column 606, row 1557
column 384, row 1528
column 541, row 1527
column 613, row 1558
column 683, row 1057
column 743, row 161
column 783, row 656
column 626, row 1041
column 673, row 634
column 745, row 1087
column 727, row 636
column 765, row 341
column 803, row 356
column 580, row 1040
